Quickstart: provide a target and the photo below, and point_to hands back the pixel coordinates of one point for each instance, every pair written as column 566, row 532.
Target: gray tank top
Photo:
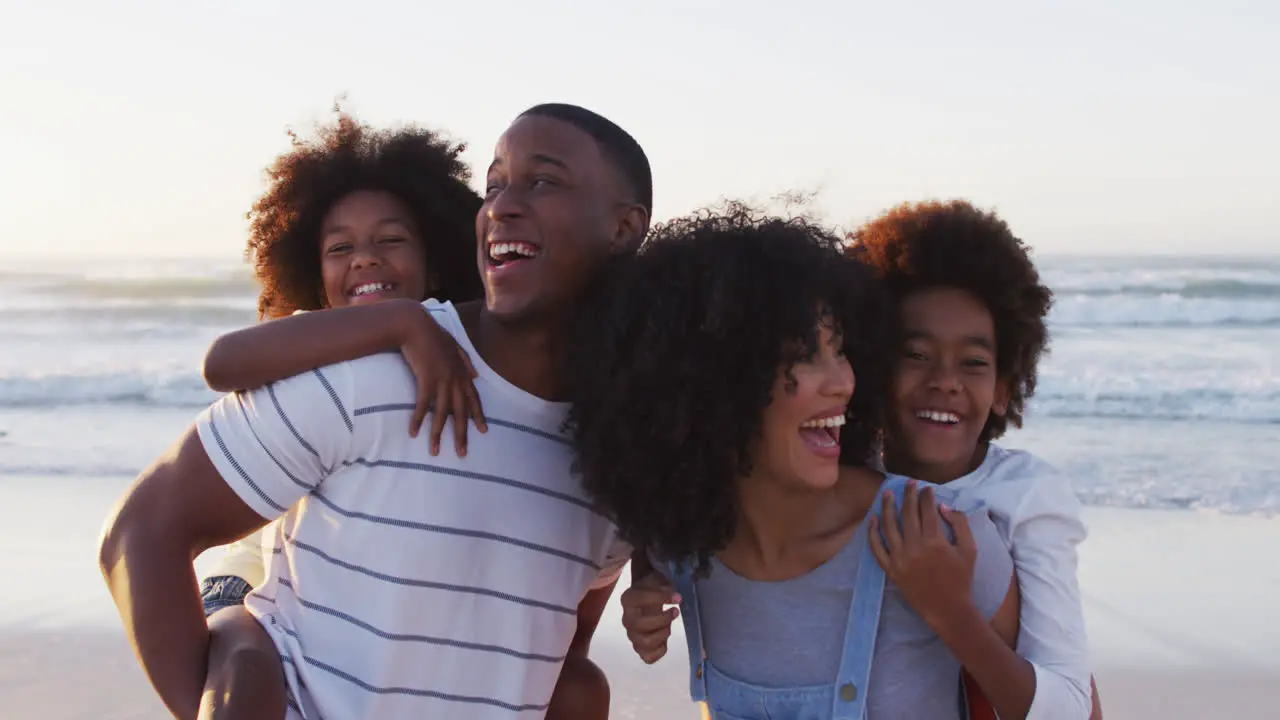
column 791, row 633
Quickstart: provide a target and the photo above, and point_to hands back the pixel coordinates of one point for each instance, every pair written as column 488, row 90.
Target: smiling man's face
column 553, row 209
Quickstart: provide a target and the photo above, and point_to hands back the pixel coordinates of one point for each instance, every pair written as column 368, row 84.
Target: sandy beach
column 165, row 165
column 1178, row 603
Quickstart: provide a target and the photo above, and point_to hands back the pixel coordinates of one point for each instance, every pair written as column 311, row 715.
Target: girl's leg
column 246, row 678
column 582, row 692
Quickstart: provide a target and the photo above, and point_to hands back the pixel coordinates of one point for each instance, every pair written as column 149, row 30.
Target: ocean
column 1162, row 389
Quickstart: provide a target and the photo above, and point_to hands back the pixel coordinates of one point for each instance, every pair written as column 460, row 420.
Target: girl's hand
column 934, row 575
column 445, row 381
column 648, row 625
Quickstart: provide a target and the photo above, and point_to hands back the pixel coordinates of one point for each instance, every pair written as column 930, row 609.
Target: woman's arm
column 647, row 624
column 1005, row 623
column 277, row 349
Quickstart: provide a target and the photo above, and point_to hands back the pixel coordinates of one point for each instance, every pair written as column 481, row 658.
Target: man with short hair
column 405, row 584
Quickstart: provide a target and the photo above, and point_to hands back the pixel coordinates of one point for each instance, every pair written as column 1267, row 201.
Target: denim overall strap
column 850, row 702
column 683, row 579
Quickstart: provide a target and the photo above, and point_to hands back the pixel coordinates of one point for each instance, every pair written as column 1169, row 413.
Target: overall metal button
column 848, row 692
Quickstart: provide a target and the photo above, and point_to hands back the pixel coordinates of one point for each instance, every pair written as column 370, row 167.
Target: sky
column 141, row 129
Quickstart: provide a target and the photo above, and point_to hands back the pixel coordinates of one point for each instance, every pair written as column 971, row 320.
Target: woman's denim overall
column 843, row 699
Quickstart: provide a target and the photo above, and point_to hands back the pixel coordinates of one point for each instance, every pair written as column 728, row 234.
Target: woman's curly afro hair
column 420, row 167
column 672, row 365
column 955, row 245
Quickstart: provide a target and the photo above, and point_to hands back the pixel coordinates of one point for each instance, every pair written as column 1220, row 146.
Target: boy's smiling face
column 945, row 385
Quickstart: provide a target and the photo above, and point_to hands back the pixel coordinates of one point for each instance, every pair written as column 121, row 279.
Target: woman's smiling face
column 800, row 432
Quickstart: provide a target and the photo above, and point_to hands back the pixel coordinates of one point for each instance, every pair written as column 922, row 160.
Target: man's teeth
column 939, row 416
column 827, row 422
column 499, row 250
column 369, row 288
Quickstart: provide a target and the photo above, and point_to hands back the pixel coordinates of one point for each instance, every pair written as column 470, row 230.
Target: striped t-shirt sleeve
column 611, row 569
column 276, row 444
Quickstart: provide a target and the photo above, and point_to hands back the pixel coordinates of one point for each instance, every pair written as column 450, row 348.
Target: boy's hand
column 934, row 575
column 445, row 381
column 648, row 625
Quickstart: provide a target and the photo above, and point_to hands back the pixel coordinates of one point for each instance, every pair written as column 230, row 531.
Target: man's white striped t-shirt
column 402, row 584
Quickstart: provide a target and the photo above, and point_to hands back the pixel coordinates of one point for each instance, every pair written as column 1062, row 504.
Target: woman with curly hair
column 727, row 391
column 353, row 217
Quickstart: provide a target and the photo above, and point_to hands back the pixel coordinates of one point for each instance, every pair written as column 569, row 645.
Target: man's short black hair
column 616, row 144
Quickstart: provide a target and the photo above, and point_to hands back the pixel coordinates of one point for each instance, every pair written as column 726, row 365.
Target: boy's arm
column 1044, row 534
column 981, row 633
column 1005, row 623
column 250, row 457
column 271, row 351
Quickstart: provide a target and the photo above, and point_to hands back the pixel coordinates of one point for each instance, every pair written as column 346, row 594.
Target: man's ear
column 633, row 225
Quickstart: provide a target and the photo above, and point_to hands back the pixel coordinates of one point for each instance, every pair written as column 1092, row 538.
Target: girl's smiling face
column 371, row 250
column 945, row 386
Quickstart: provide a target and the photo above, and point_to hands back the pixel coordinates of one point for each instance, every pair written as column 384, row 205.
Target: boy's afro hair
column 953, row 244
